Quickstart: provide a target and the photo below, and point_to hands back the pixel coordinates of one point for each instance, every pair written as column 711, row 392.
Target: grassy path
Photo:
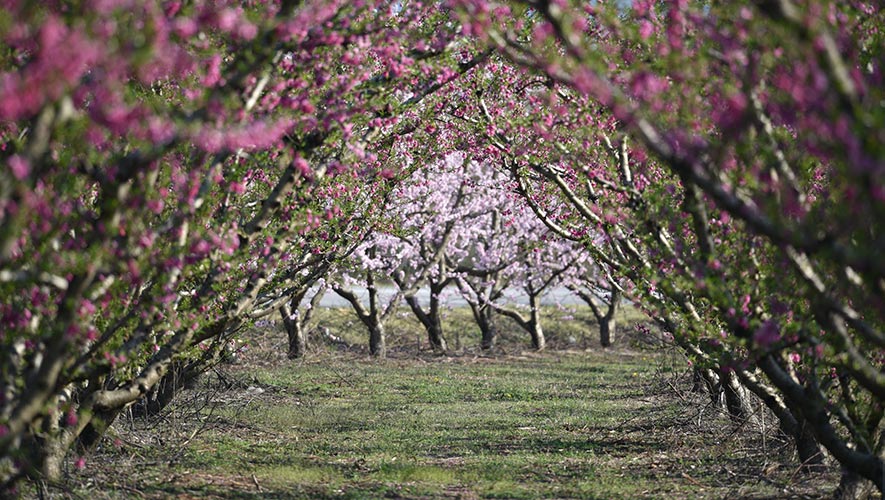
column 566, row 425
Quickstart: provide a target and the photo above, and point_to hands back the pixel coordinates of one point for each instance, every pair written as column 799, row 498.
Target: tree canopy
column 174, row 171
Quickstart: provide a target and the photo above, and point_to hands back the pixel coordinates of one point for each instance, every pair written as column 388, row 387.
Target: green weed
column 556, row 425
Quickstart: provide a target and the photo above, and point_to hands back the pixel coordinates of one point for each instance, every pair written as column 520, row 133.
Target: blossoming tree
column 731, row 154
column 162, row 180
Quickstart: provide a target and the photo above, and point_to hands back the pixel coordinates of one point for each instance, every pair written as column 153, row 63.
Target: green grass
column 557, row 425
column 501, row 428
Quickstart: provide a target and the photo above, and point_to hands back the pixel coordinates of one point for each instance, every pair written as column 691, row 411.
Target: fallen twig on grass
column 691, row 479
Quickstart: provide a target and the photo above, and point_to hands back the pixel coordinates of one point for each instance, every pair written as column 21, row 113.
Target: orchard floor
column 620, row 423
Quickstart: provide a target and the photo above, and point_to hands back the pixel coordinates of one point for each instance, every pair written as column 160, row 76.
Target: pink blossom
column 745, row 304
column 646, row 85
column 645, row 29
column 71, row 418
column 171, row 8
column 586, row 81
column 767, row 334
column 302, row 167
column 19, row 166
column 730, row 115
column 543, row 30
column 86, row 307
column 185, row 27
column 227, row 19
column 247, row 31
column 72, row 331
column 213, row 71
column 200, row 248
column 155, row 206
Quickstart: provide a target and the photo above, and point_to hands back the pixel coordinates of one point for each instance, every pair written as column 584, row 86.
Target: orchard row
column 174, row 171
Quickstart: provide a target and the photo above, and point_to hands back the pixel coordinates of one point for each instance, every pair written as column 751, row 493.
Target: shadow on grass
column 554, row 425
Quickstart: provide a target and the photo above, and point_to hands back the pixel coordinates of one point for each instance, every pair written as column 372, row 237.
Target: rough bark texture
column 714, row 390
column 735, row 403
column 95, row 430
column 372, row 319
column 812, row 407
column 807, row 448
column 607, row 331
column 180, row 376
column 535, row 329
column 791, row 424
column 483, row 316
column 532, row 324
column 296, row 319
column 377, row 341
column 853, row 487
column 294, row 332
column 607, row 320
column 50, row 457
column 431, row 318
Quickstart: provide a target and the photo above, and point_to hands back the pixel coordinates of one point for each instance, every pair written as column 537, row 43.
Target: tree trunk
column 538, row 340
column 714, row 388
column 608, row 323
column 535, row 330
column 483, row 316
column 735, row 403
column 180, row 375
column 697, row 380
column 724, row 389
column 807, row 447
column 607, row 331
column 853, row 487
column 482, row 312
column 430, row 319
column 96, row 429
column 791, row 423
column 532, row 324
column 46, row 452
column 294, row 331
column 809, row 404
column 435, row 332
column 435, row 336
column 377, row 342
column 52, row 458
column 372, row 319
column 375, row 318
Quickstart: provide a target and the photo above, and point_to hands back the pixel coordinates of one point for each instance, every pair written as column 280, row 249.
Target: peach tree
column 731, row 155
column 169, row 169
